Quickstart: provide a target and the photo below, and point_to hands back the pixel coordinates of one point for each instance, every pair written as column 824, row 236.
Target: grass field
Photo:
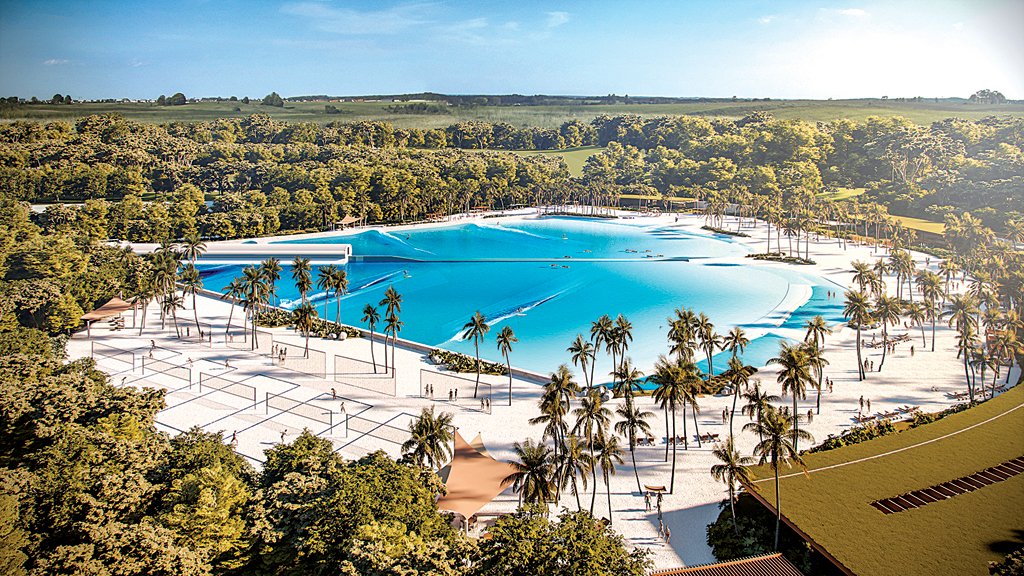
column 574, row 158
column 955, row 536
column 924, row 225
column 842, row 193
column 544, row 116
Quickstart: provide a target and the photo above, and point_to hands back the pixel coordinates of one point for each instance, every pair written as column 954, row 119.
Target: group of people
column 663, row 530
column 280, row 352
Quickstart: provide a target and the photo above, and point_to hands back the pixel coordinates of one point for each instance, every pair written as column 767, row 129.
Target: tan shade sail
column 112, row 307
column 474, row 479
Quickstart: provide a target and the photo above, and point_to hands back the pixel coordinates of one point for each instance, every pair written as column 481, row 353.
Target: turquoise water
column 550, row 278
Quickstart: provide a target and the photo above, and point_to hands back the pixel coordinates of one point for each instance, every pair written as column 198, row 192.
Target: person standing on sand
column 862, row 402
column 668, row 535
column 334, row 394
column 647, row 501
column 869, row 405
column 283, row 432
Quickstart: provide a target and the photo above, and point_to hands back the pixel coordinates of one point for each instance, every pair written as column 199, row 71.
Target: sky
column 713, row 48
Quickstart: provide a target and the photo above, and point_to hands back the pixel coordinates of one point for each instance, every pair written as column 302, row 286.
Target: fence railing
column 359, row 373
column 293, row 356
column 312, row 412
column 442, row 386
column 202, row 335
column 380, row 430
column 157, row 366
column 113, row 353
column 221, row 384
column 241, row 338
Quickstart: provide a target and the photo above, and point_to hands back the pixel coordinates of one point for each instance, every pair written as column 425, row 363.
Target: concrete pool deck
column 923, row 379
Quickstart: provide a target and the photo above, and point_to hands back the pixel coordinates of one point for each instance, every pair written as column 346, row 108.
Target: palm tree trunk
column 195, row 313
column 305, row 354
column 796, row 424
column 818, row 407
column 593, row 476
column 231, row 313
column 373, row 358
column 385, row 353
column 337, row 311
column 860, row 363
column 666, row 434
column 686, row 435
column 885, row 343
column 608, row 491
column 933, row 332
column 508, row 363
column 636, row 472
column 778, row 507
column 476, row 344
column 576, row 492
column 672, row 440
column 696, row 427
column 732, row 509
column 732, row 414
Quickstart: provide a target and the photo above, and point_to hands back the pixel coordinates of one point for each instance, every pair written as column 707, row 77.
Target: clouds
column 556, row 19
column 346, row 21
column 766, row 20
column 56, row 62
column 853, row 12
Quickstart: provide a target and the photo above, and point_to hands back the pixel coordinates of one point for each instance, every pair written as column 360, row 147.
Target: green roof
column 831, row 504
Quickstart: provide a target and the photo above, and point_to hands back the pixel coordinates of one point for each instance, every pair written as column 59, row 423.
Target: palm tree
column 794, row 377
column 325, row 281
column 301, row 273
column 947, row 269
column 393, row 327
column 476, row 329
column 817, row 329
column 817, row 361
column 633, row 420
column 339, row 281
column 192, row 284
column 608, row 454
column 739, row 375
column 862, row 274
column 232, row 293
column 918, row 312
column 582, row 354
column 393, row 302
column 627, row 380
column 600, row 331
column 172, row 303
column 573, row 461
column 670, row 379
column 736, row 341
column 709, row 340
column 757, row 402
column 555, row 404
column 733, row 469
column 304, row 317
column 255, row 295
column 534, row 476
column 858, row 312
column 430, row 438
column 505, row 339
column 591, row 419
column 271, row 271
column 371, row 316
column 192, row 247
column 887, row 310
column 776, row 429
column 622, row 336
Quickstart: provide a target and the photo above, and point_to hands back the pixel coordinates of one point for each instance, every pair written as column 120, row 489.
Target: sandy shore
column 371, row 421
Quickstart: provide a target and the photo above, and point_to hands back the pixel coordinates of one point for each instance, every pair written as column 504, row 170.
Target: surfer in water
column 406, row 274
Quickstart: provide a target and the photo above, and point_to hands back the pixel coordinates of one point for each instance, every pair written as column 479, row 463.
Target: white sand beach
column 227, row 389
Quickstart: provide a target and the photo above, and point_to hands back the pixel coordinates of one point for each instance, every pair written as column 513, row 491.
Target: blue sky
column 747, row 48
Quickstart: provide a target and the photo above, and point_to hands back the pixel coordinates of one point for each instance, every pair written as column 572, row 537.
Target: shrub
column 856, row 435
column 457, row 362
column 724, row 231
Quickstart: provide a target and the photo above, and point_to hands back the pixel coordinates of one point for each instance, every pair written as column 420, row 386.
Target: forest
column 232, row 178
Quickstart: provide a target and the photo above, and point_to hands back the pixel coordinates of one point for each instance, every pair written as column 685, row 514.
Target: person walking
column 862, row 402
column 449, row 394
column 334, row 394
column 283, row 433
column 647, row 501
column 869, row 405
column 668, row 535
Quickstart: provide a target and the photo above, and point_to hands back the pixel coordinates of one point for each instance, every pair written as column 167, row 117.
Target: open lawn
column 842, row 193
column 545, row 116
column 955, row 536
column 924, row 225
column 574, row 158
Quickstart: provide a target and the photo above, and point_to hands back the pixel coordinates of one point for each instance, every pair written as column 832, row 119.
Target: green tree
column 431, row 439
column 608, row 454
column 533, row 477
column 302, row 274
column 582, row 355
column 273, row 99
column 794, row 375
column 304, row 317
column 505, row 339
column 733, row 469
column 371, row 316
column 858, row 311
column 476, row 329
column 776, row 430
column 192, row 284
column 633, row 422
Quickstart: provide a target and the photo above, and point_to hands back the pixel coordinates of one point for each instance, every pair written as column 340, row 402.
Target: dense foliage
column 264, row 176
column 856, row 435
